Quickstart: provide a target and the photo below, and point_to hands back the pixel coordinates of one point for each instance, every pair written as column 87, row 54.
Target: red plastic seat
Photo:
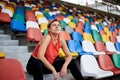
column 99, row 46
column 113, row 39
column 34, row 34
column 11, row 69
column 106, row 63
column 4, row 17
column 65, row 35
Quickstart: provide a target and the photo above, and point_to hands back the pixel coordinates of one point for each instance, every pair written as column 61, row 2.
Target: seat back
column 117, row 46
column 110, row 47
column 68, row 29
column 65, row 35
column 113, row 39
column 105, row 38
column 100, row 46
column 89, row 65
column 105, row 62
column 74, row 46
column 11, row 69
column 87, row 36
column 34, row 34
column 88, row 46
column 76, row 36
column 116, row 60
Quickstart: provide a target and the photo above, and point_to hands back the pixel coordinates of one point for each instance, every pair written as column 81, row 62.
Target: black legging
column 37, row 69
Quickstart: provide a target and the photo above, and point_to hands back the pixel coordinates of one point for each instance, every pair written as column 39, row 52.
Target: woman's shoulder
column 45, row 38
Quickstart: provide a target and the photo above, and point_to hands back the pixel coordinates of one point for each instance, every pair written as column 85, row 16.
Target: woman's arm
column 67, row 59
column 43, row 46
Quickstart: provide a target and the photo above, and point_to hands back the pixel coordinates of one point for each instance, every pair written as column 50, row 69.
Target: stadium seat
column 111, row 48
column 68, row 29
column 65, row 35
column 75, row 46
column 105, row 63
column 118, row 38
column 2, row 55
column 17, row 25
column 32, row 24
column 90, row 68
column 89, row 47
column 62, row 54
column 113, row 39
column 87, row 36
column 78, row 29
column 117, row 46
column 34, row 34
column 105, row 38
column 4, row 17
column 76, row 36
column 8, row 71
column 116, row 60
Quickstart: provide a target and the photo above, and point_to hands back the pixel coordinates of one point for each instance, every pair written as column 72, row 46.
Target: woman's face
column 55, row 27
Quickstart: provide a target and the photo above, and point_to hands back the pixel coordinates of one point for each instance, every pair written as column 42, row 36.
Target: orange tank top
column 51, row 51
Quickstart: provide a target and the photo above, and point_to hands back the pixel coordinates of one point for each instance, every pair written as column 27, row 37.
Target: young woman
column 45, row 56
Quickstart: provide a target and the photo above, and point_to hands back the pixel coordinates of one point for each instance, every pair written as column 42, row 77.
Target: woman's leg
column 34, row 67
column 75, row 70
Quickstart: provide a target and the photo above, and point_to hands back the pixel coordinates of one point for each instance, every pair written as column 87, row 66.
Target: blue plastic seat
column 117, row 46
column 17, row 25
column 76, row 36
column 75, row 46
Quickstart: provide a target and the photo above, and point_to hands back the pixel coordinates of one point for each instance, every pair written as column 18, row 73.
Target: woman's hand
column 63, row 72
column 55, row 75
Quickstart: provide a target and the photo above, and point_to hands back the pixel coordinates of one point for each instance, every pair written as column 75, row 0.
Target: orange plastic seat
column 106, row 63
column 11, row 69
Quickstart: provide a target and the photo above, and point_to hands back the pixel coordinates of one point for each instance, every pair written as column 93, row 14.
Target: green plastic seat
column 74, row 21
column 45, row 31
column 95, row 32
column 63, row 24
column 97, row 37
column 19, row 17
column 116, row 60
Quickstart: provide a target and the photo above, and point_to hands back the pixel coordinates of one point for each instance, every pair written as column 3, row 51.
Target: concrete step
column 22, row 57
column 50, row 76
column 1, row 31
column 14, row 49
column 4, row 36
column 9, row 42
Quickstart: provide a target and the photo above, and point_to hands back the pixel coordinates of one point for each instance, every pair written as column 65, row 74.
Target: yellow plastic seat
column 71, row 24
column 47, row 9
column 62, row 54
column 106, row 29
column 43, row 26
column 109, row 33
column 39, row 5
column 2, row 55
column 60, row 8
column 12, row 3
column 70, row 17
column 105, row 38
column 87, row 36
column 39, row 16
column 10, row 8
